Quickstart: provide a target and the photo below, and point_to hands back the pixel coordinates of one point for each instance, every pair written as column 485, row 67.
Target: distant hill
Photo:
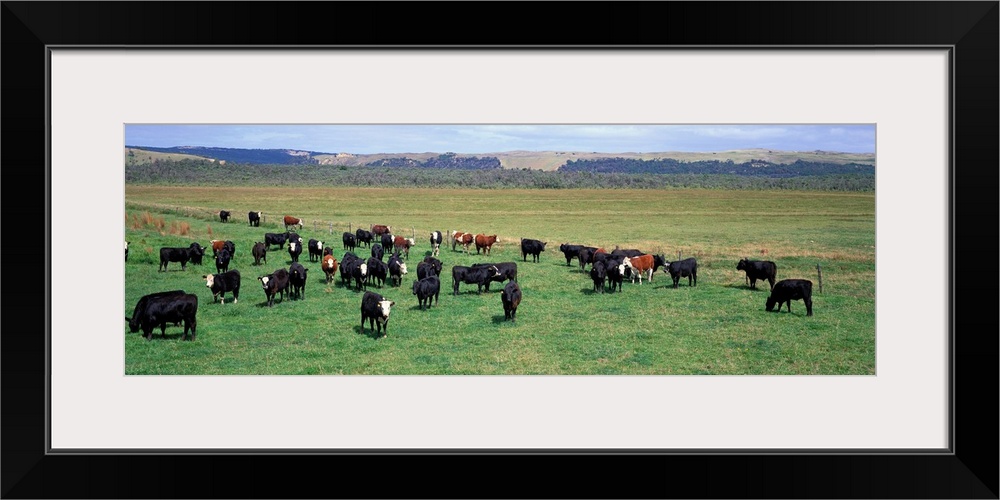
column 237, row 155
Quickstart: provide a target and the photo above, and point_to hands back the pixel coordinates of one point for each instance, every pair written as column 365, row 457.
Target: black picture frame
column 969, row 28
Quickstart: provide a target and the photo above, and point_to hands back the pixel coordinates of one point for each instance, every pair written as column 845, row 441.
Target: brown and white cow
column 329, row 267
column 403, row 245
column 464, row 239
column 292, row 221
column 644, row 264
column 379, row 230
column 485, row 243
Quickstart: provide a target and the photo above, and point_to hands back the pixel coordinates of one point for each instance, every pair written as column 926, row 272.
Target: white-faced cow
column 292, row 221
column 644, row 264
column 785, row 291
column 294, row 250
column 157, row 310
column 396, row 271
column 376, row 309
column 464, row 239
column 254, row 218
column 427, row 290
column 531, row 247
column 511, row 299
column 315, row 250
column 221, row 283
column 401, row 244
column 275, row 284
column 615, row 271
column 758, row 270
column 435, row 243
column 329, row 263
column 224, row 215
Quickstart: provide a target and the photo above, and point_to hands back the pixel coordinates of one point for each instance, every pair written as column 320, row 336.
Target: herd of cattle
column 607, row 271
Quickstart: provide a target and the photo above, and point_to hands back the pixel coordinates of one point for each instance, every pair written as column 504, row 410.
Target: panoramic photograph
column 506, row 249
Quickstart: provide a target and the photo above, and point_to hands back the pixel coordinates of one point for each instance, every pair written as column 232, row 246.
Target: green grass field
column 718, row 327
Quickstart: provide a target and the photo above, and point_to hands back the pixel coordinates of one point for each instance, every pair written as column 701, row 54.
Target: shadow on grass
column 591, row 291
column 372, row 334
column 499, row 319
column 425, row 308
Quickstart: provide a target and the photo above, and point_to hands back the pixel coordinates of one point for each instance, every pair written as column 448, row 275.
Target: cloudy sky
column 363, row 139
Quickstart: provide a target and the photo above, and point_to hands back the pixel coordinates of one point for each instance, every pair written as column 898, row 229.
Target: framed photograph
column 901, row 424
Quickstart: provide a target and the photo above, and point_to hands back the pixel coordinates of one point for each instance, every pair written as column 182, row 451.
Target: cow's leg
column 809, row 306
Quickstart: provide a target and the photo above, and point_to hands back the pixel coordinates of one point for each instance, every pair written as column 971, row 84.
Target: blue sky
column 365, row 139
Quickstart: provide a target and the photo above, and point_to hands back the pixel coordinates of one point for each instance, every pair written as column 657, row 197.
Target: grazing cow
column 173, row 254
column 386, row 240
column 297, row 280
column 485, row 243
column 683, row 268
column 598, row 274
column 464, row 239
column 329, row 266
column 279, row 239
column 425, row 269
column 196, row 252
column 758, row 270
column 427, row 290
column 479, row 276
column 219, row 284
column 158, row 309
column 292, row 221
column 254, row 218
column 615, row 271
column 375, row 308
column 396, row 271
column 785, row 291
column 126, row 251
column 644, row 264
column 259, row 252
column 401, row 244
column 294, row 250
column 274, row 284
column 506, row 271
column 350, row 243
column 435, row 243
column 570, row 251
column 315, row 250
column 379, row 230
column 377, row 251
column 377, row 271
column 511, row 298
column 224, row 215
column 222, row 261
column 362, row 236
column 531, row 247
column 438, row 266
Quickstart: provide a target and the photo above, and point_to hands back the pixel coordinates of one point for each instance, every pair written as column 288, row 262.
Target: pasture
column 718, row 327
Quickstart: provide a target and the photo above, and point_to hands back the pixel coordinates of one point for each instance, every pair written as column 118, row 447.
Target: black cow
column 427, row 290
column 506, row 271
column 785, row 291
column 687, row 268
column 435, row 243
column 254, row 218
column 570, row 251
column 229, row 245
column 758, row 270
column 275, row 239
column 297, row 280
column 598, row 274
column 425, row 269
column 197, row 252
column 359, row 271
column 375, row 308
column 435, row 264
column 315, row 250
column 362, row 236
column 532, row 248
column 377, row 271
column 172, row 254
column 259, row 252
column 224, row 215
column 274, row 284
column 479, row 276
column 222, row 261
column 294, row 250
column 126, row 251
column 347, row 265
column 396, row 271
column 156, row 310
column 584, row 256
column 626, row 252
column 511, row 298
column 615, row 271
column 219, row 284
column 350, row 243
column 377, row 251
column 387, row 240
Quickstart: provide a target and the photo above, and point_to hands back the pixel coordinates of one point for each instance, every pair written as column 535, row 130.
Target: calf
column 485, row 243
column 598, row 274
column 297, row 280
column 254, row 218
column 615, row 271
column 375, row 309
column 427, row 290
column 222, row 261
column 362, row 236
column 315, row 250
column 570, row 251
column 219, row 284
column 511, row 298
column 785, row 291
column 377, row 271
column 329, row 263
column 292, row 221
column 274, row 284
column 425, row 269
column 531, row 247
column 377, row 251
column 435, row 243
column 294, row 250
column 259, row 252
column 683, row 268
column 224, row 215
column 435, row 264
column 279, row 239
column 506, row 271
column 396, row 271
column 173, row 254
column 644, row 264
column 479, row 276
column 159, row 309
column 349, row 241
column 401, row 244
column 758, row 270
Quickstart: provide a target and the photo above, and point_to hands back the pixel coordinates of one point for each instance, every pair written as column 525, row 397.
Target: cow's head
column 402, row 268
column 659, row 261
column 770, row 303
column 385, row 307
column 543, row 245
column 264, row 280
column 742, row 264
column 410, row 241
column 364, row 269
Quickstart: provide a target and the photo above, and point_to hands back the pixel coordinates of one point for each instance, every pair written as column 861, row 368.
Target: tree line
column 752, row 168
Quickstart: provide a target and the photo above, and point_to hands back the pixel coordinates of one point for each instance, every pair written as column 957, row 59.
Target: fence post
column 678, row 255
column 819, row 273
column 331, row 228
